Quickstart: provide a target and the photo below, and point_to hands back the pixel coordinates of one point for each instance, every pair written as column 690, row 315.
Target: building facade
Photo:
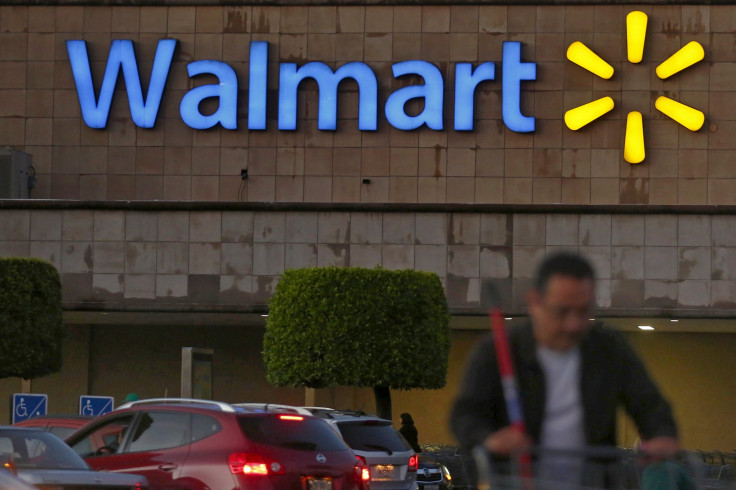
column 171, row 222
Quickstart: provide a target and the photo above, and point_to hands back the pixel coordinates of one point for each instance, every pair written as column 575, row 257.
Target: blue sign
column 431, row 93
column 95, row 405
column 26, row 406
column 142, row 111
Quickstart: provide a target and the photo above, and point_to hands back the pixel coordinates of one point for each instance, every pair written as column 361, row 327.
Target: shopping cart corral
column 601, row 468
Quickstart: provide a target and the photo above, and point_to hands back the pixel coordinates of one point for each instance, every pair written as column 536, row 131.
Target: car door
column 102, row 442
column 153, row 444
column 158, row 445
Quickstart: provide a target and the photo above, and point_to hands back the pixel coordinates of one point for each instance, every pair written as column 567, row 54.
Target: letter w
column 143, row 112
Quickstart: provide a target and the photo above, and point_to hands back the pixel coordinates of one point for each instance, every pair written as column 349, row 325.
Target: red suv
column 198, row 444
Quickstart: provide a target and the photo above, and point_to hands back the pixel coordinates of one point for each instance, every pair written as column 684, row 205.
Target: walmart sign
column 144, row 110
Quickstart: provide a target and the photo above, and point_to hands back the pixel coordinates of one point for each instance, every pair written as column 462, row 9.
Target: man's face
column 561, row 314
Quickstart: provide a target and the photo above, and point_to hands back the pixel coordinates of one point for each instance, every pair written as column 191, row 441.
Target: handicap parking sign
column 27, row 405
column 95, row 405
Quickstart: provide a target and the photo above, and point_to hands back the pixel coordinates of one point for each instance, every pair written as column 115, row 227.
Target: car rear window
column 371, row 435
column 304, row 433
column 38, row 449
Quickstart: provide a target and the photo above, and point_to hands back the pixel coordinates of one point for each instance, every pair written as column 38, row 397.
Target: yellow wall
column 697, row 373
column 147, row 360
column 117, row 360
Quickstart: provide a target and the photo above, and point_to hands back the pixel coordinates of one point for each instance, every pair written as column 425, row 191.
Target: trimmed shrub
column 31, row 327
column 357, row 327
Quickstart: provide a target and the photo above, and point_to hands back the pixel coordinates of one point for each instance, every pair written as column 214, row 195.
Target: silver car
column 40, row 458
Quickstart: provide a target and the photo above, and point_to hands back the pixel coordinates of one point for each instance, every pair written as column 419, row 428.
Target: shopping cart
column 598, row 468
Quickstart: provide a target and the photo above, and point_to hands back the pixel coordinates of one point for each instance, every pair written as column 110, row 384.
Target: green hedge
column 357, row 327
column 31, row 327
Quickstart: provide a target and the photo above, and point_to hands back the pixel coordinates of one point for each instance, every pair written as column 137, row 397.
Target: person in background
column 131, row 397
column 572, row 376
column 410, row 432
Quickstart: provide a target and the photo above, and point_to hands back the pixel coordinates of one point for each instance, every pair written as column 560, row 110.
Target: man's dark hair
column 564, row 264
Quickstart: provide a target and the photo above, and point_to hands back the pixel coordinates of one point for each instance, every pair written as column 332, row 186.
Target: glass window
column 160, row 430
column 307, row 434
column 370, row 435
column 61, row 432
column 38, row 449
column 103, row 439
column 203, row 426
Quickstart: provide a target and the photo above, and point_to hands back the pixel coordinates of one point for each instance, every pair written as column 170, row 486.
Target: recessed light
column 674, row 320
column 509, row 318
column 646, row 327
column 591, row 319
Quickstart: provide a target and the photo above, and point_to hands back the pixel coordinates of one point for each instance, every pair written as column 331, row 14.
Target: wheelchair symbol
column 87, row 408
column 21, row 410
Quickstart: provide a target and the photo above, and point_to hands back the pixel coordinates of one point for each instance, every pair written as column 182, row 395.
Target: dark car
column 198, row 444
column 61, row 426
column 391, row 460
column 42, row 459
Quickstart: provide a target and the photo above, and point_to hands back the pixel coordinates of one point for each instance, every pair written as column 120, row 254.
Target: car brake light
column 414, row 463
column 291, row 417
column 253, row 464
column 362, row 472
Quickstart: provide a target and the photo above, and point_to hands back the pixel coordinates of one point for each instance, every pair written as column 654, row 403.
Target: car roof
column 325, row 413
column 273, row 407
column 345, row 415
column 63, row 416
column 48, row 418
column 202, row 406
column 321, row 412
column 180, row 402
column 14, row 428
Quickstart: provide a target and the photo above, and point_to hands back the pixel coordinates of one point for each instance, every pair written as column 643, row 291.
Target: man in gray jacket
column 571, row 374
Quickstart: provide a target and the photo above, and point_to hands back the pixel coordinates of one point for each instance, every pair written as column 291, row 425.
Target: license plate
column 383, row 472
column 319, row 484
column 431, row 487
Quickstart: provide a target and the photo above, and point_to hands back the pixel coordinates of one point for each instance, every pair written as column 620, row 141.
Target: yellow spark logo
column 636, row 31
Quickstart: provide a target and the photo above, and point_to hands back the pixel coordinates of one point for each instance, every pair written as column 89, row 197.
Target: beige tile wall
column 647, row 264
column 39, row 111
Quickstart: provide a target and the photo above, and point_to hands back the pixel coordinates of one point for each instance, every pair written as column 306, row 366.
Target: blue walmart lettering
column 429, row 94
column 95, row 112
column 226, row 91
column 514, row 71
column 327, row 80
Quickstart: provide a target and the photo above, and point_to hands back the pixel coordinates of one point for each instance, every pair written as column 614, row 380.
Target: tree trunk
column 383, row 401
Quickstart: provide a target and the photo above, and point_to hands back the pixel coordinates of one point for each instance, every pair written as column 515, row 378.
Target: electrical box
column 15, row 171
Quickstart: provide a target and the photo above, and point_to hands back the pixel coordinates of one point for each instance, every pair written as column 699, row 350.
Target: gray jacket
column 611, row 375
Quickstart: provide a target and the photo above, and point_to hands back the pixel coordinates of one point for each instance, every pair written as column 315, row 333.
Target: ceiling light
column 674, row 320
column 646, row 327
column 509, row 318
column 264, row 315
